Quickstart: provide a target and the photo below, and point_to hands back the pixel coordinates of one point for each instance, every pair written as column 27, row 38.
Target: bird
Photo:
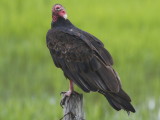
column 84, row 61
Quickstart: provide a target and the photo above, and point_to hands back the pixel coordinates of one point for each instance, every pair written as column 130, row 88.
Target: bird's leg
column 67, row 94
column 71, row 89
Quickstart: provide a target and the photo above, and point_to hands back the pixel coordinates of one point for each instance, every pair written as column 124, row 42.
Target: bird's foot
column 65, row 95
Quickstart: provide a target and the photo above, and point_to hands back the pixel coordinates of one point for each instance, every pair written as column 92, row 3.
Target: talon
column 65, row 95
column 62, row 93
column 63, row 101
column 68, row 93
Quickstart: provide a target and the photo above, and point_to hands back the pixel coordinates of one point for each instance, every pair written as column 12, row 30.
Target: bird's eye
column 58, row 8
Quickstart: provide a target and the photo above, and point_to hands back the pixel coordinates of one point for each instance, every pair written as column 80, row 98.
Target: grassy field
column 30, row 85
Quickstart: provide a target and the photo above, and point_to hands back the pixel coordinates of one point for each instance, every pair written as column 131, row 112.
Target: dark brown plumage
column 85, row 61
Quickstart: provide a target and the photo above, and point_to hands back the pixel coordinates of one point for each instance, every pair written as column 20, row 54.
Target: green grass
column 29, row 82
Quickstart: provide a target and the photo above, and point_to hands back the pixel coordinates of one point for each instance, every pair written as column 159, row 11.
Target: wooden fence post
column 73, row 107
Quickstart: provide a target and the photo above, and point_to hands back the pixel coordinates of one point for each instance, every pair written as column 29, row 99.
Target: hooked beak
column 65, row 16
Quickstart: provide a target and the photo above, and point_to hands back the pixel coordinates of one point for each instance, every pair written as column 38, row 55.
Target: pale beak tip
column 65, row 16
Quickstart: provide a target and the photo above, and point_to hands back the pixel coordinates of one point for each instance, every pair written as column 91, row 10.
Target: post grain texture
column 73, row 107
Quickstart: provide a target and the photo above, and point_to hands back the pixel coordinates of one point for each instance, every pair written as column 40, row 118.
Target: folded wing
column 83, row 59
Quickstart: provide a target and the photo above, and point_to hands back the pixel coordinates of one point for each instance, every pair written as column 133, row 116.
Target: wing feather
column 83, row 59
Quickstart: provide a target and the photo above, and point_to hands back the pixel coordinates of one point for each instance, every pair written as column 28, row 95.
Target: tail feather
column 119, row 100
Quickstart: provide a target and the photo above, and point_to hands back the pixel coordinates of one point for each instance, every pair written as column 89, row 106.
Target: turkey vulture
column 84, row 60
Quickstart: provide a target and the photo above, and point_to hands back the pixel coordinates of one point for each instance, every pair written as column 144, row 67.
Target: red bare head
column 58, row 11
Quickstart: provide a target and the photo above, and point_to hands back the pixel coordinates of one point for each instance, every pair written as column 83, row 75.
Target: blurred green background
column 30, row 84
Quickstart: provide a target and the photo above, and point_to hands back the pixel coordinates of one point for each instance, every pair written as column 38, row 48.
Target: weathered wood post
column 73, row 107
